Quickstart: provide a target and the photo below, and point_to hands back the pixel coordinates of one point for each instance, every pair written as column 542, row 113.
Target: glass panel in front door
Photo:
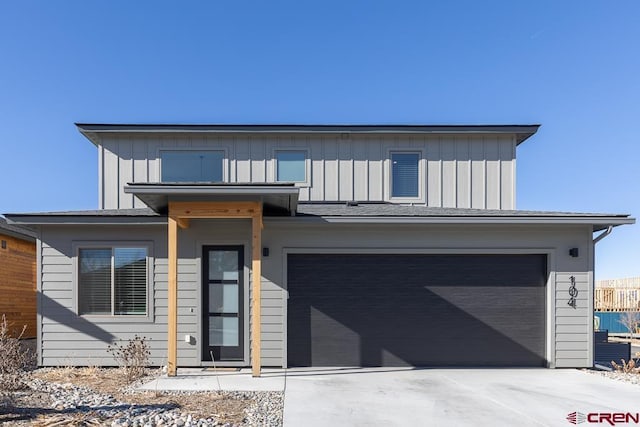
column 223, row 303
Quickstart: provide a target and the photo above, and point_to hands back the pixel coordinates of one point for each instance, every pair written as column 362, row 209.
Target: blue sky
column 572, row 66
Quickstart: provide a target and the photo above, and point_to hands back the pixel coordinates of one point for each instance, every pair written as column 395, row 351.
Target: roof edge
column 597, row 222
column 92, row 130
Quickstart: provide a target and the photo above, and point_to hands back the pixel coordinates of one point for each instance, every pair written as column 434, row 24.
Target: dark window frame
column 305, row 160
column 418, row 172
column 112, row 247
column 162, row 160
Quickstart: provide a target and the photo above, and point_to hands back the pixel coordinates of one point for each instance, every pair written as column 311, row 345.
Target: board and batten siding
column 463, row 171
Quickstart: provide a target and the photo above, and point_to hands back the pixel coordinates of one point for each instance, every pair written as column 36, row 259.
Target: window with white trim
column 191, row 166
column 113, row 281
column 405, row 172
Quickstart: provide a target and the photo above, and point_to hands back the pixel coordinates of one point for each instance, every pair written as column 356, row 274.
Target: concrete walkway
column 199, row 379
column 434, row 397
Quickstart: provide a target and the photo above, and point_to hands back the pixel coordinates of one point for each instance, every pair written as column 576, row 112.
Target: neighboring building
column 287, row 245
column 18, row 278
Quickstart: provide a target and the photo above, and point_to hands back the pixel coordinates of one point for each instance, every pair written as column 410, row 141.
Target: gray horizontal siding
column 456, row 170
column 69, row 339
column 66, row 338
column 573, row 340
column 570, row 329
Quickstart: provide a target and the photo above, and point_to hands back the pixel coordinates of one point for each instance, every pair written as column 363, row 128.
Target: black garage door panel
column 416, row 310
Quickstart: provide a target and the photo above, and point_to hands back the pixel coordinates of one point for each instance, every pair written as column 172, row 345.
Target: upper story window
column 291, row 166
column 191, row 166
column 405, row 175
column 112, row 281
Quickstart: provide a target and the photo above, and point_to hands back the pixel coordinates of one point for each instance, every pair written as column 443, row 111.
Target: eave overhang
column 277, row 199
column 23, row 234
column 598, row 223
column 31, row 220
column 92, row 131
column 307, row 214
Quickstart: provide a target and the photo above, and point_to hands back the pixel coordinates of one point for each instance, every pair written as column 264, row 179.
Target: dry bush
column 631, row 321
column 626, row 367
column 13, row 359
column 132, row 357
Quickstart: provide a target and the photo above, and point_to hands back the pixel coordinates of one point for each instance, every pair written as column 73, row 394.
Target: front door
column 223, row 297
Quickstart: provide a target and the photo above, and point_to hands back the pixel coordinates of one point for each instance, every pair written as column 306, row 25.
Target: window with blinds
column 112, row 281
column 404, row 174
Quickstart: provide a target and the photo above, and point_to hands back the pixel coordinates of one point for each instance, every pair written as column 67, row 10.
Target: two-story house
column 292, row 245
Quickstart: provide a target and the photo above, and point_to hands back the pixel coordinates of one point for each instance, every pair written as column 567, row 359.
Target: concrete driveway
column 450, row 397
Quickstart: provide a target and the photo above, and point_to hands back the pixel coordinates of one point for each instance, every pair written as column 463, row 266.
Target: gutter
column 604, row 221
column 604, row 234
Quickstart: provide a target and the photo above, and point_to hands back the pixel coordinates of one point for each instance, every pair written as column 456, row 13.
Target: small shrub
column 626, row 367
column 133, row 357
column 631, row 321
column 13, row 359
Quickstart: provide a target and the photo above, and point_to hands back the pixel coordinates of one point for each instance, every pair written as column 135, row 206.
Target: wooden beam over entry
column 215, row 209
column 179, row 215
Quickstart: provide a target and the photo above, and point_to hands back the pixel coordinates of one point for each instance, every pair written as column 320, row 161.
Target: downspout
column 604, row 234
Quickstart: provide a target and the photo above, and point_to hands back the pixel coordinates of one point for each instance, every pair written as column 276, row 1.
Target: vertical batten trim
column 324, row 169
column 513, row 173
column 101, row 174
column 469, row 173
column 484, row 173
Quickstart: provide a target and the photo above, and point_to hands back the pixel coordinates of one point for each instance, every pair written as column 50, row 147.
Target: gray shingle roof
column 94, row 212
column 343, row 212
column 393, row 210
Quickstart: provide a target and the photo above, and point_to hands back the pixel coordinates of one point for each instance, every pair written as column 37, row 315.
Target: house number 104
column 573, row 292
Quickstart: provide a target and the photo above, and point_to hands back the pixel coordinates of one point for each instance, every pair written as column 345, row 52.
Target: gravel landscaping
column 619, row 376
column 628, row 377
column 99, row 397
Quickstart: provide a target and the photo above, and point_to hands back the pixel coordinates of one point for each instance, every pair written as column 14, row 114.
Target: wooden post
column 256, row 245
column 172, row 303
column 179, row 215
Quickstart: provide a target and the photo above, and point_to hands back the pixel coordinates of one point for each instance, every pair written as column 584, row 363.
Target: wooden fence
column 617, row 299
column 627, row 282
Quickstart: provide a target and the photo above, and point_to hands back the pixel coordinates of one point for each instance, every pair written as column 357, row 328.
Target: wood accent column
column 172, row 298
column 179, row 215
column 256, row 289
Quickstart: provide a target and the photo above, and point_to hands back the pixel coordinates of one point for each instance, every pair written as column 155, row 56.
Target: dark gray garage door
column 416, row 310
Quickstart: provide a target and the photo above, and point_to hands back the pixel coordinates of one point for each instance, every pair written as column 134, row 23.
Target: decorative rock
column 265, row 408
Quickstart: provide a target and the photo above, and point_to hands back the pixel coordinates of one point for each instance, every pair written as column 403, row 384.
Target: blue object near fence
column 611, row 320
column 605, row 352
